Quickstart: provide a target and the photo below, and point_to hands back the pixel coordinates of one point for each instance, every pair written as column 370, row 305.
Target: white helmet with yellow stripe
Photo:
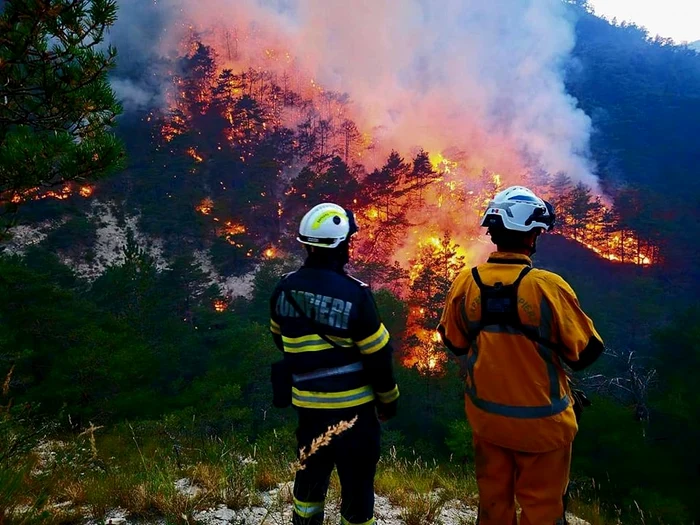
column 326, row 225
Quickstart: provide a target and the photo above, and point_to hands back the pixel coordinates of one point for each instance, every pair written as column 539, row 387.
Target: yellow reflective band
column 344, row 399
column 388, row 397
column 374, row 342
column 313, row 343
column 306, row 509
column 275, row 327
column 325, row 216
column 370, row 521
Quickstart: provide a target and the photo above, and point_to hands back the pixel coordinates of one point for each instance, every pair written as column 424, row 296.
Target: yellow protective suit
column 517, row 399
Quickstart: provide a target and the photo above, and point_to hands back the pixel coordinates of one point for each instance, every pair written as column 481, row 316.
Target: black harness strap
column 499, row 306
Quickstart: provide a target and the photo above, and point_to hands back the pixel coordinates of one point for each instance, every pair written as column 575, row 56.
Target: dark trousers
column 354, row 453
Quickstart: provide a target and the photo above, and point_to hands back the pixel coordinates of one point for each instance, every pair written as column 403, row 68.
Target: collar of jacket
column 509, row 258
column 325, row 264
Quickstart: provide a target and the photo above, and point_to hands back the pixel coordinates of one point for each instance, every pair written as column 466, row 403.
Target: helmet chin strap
column 533, row 246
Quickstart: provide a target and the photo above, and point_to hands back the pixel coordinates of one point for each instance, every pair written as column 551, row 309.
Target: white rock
column 573, row 520
column 113, row 517
column 185, row 487
column 217, row 516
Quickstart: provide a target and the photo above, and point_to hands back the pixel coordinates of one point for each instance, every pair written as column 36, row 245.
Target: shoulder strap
column 527, row 331
column 303, row 315
column 522, row 275
column 471, row 337
column 477, row 278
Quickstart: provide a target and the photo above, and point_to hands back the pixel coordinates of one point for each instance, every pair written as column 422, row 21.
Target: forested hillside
column 143, row 298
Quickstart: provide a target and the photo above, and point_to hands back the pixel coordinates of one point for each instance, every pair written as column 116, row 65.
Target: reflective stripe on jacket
column 348, row 367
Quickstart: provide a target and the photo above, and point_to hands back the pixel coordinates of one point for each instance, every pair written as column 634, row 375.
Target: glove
column 580, row 402
column 386, row 411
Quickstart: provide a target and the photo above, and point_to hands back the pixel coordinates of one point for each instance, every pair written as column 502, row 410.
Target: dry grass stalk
column 90, row 431
column 6, row 384
column 321, row 441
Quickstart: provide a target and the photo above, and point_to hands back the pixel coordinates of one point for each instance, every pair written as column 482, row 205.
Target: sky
column 678, row 19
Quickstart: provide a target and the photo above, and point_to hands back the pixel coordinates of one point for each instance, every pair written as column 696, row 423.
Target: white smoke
column 134, row 96
column 482, row 77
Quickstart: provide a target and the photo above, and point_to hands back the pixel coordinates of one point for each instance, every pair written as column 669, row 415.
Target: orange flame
column 193, row 153
column 206, row 206
column 220, row 305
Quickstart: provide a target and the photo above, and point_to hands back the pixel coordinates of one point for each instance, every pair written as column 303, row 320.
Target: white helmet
column 326, row 226
column 517, row 208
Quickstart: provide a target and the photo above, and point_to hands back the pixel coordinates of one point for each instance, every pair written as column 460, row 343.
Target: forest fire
column 428, row 355
column 619, row 247
column 220, row 305
column 193, row 153
column 205, row 207
column 411, row 209
column 65, row 192
column 233, row 228
column 441, row 164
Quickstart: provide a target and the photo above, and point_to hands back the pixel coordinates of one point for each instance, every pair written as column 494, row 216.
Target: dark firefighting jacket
column 356, row 369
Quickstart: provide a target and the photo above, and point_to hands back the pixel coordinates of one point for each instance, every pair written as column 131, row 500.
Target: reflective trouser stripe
column 388, row 397
column 306, row 509
column 328, row 372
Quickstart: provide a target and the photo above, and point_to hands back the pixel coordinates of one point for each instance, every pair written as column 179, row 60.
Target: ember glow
column 61, row 194
column 220, row 305
column 196, row 156
column 206, row 206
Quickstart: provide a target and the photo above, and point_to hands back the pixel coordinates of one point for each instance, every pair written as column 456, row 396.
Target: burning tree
column 606, row 230
column 57, row 106
column 436, row 265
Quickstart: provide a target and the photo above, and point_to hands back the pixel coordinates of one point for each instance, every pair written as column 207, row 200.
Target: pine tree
column 422, row 174
column 56, row 104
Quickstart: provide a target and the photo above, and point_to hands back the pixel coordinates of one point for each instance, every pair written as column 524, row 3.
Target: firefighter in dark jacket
column 339, row 357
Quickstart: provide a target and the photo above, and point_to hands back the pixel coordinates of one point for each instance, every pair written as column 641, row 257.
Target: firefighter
column 339, row 358
column 516, row 325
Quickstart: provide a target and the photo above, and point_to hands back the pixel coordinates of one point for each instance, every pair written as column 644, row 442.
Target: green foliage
column 268, row 274
column 393, row 311
column 58, row 105
column 459, row 441
column 76, row 234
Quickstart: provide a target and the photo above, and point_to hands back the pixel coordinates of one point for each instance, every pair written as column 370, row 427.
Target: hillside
column 139, row 304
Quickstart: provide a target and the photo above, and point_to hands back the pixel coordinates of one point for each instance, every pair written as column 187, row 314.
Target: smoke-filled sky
column 484, row 78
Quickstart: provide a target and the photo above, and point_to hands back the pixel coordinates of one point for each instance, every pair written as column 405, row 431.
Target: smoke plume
column 483, row 79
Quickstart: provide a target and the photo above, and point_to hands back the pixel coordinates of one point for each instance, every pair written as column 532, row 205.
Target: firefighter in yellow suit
column 516, row 325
